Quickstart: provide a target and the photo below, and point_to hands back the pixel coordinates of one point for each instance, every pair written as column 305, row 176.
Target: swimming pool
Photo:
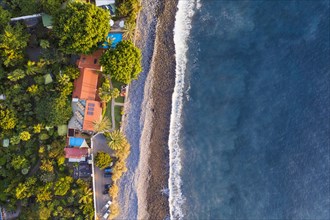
column 115, row 38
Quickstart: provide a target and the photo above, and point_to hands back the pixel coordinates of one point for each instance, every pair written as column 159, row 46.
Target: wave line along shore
column 182, row 28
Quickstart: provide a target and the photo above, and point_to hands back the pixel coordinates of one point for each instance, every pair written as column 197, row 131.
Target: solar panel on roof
column 90, row 109
column 91, row 104
column 89, row 113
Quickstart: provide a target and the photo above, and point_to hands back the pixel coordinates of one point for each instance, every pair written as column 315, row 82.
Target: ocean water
column 250, row 124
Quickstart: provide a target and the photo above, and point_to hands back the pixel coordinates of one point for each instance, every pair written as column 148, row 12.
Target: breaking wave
column 186, row 10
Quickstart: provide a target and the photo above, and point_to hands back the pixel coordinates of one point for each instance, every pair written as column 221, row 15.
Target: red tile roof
column 93, row 112
column 91, row 61
column 75, row 152
column 85, row 87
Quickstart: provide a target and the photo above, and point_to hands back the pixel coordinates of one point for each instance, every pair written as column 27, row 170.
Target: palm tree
column 32, row 68
column 101, row 125
column 117, row 140
column 129, row 31
column 108, row 41
column 87, row 196
column 16, row 75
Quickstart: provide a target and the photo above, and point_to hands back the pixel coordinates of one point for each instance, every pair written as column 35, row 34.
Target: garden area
column 37, row 71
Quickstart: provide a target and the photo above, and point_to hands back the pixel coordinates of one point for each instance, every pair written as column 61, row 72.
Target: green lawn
column 120, row 99
column 118, row 85
column 108, row 111
column 117, row 116
column 117, row 109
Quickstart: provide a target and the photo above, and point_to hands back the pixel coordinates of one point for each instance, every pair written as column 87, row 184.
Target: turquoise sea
column 250, row 126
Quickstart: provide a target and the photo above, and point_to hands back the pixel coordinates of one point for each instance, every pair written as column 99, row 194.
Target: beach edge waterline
column 162, row 87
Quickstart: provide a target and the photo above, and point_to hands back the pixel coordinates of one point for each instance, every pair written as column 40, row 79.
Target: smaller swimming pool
column 76, row 141
column 115, row 39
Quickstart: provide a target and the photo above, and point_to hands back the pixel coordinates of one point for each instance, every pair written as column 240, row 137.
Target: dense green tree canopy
column 62, row 186
column 53, row 111
column 23, row 7
column 107, row 93
column 128, row 9
column 80, row 27
column 12, row 44
column 4, row 17
column 51, row 6
column 102, row 160
column 122, row 63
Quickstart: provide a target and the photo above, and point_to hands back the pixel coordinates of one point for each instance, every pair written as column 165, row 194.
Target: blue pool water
column 115, row 39
column 254, row 138
column 75, row 141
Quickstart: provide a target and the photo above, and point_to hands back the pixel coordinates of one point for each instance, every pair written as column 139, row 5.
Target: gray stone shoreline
column 147, row 119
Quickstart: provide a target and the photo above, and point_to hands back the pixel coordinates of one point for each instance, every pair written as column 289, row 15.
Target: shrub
column 37, row 128
column 25, row 171
column 8, row 119
column 115, row 209
column 113, row 191
column 43, row 136
column 25, row 136
column 15, row 140
column 102, row 160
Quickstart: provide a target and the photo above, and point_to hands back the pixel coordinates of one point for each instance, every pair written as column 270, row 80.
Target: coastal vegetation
column 102, row 160
column 117, row 142
column 37, row 72
column 128, row 9
column 122, row 63
column 70, row 27
column 107, row 93
column 35, row 102
column 102, row 125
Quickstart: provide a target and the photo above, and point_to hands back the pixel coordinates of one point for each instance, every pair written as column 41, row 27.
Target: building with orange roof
column 85, row 105
column 93, row 112
column 91, row 61
column 85, row 86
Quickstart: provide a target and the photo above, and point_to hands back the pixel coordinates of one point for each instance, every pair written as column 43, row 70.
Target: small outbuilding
column 5, row 142
column 48, row 78
column 62, row 130
column 47, row 21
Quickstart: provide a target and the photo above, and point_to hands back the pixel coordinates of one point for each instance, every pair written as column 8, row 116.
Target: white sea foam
column 186, row 10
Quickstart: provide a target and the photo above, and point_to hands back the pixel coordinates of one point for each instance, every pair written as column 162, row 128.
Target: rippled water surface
column 255, row 135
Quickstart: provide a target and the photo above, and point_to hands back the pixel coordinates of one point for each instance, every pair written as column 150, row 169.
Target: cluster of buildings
column 86, row 107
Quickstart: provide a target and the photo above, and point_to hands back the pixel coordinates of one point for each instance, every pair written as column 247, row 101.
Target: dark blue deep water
column 256, row 132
